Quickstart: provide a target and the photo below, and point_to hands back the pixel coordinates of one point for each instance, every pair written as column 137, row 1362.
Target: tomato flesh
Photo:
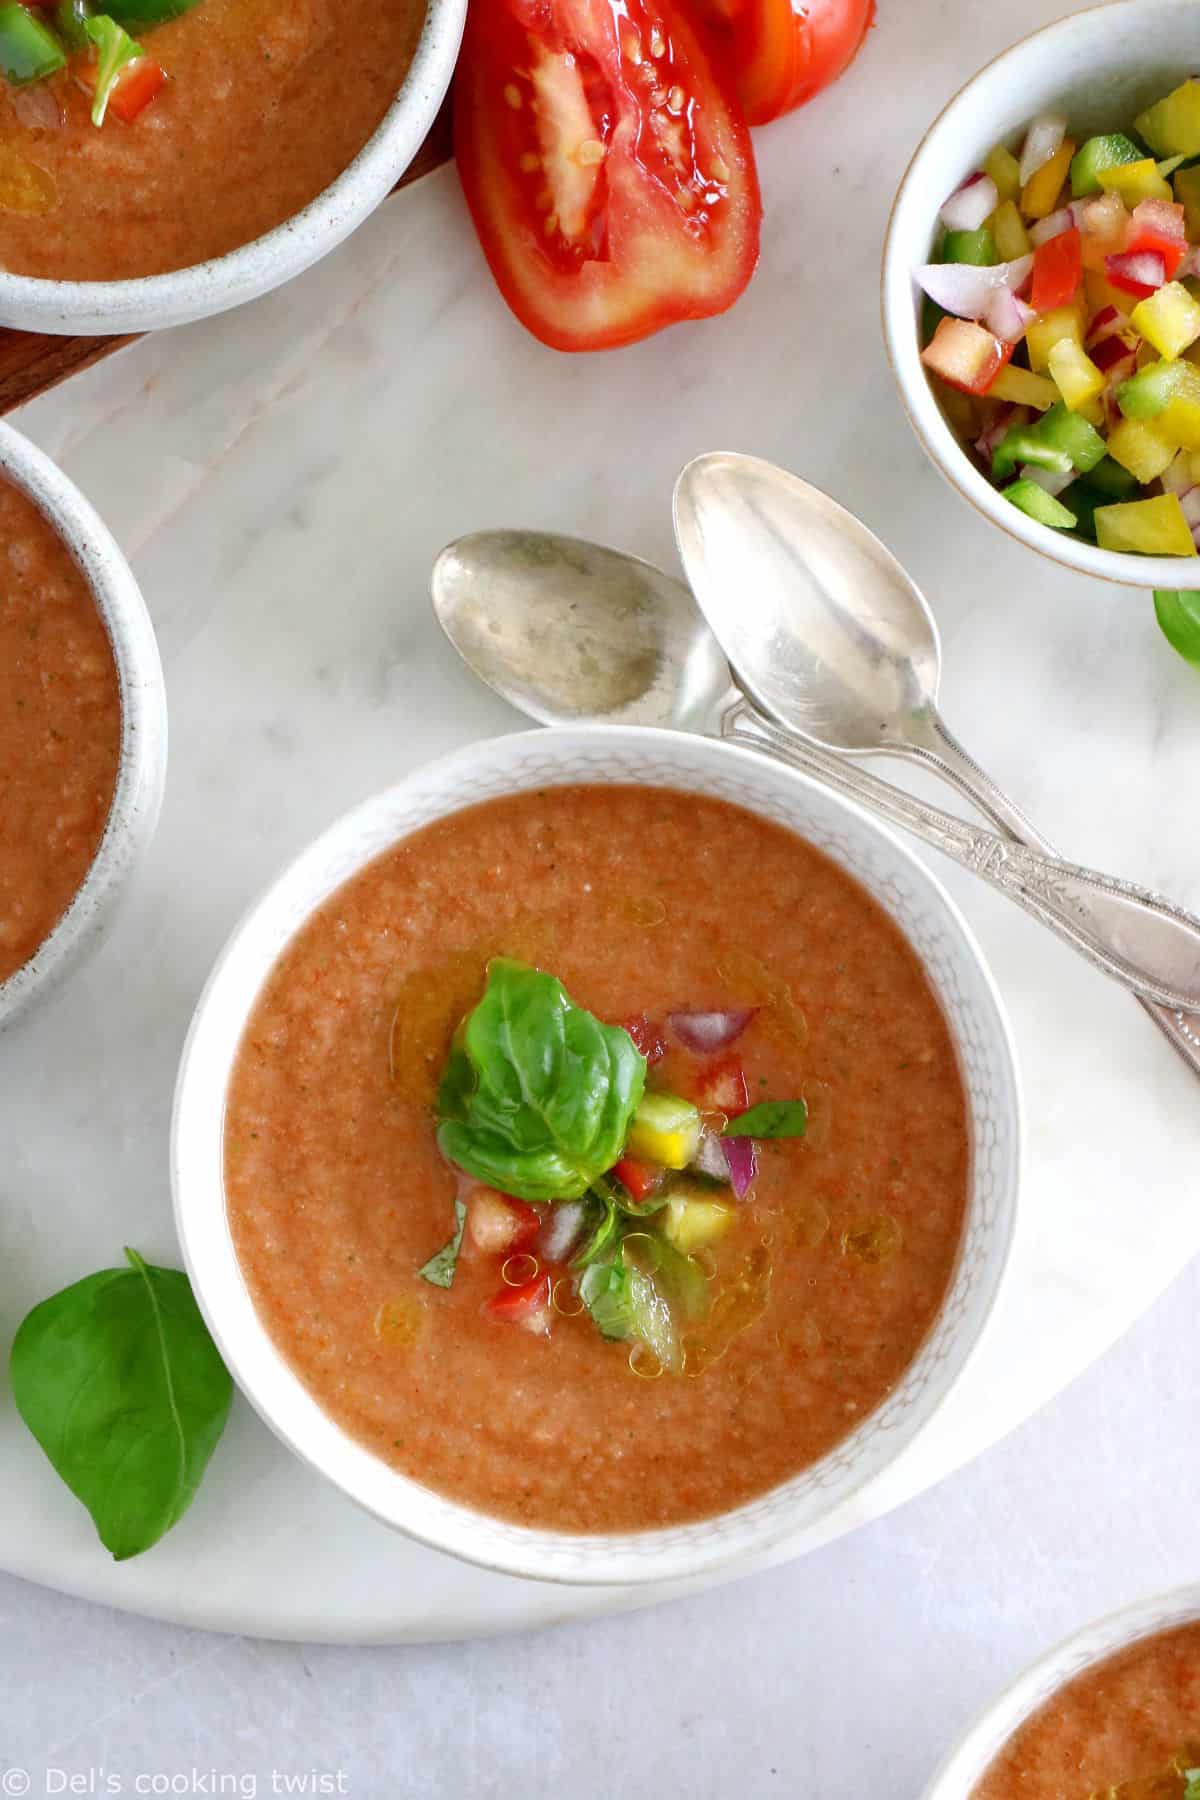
column 608, row 172
column 498, row 1224
column 647, row 1037
column 1057, row 270
column 782, row 52
column 639, row 1178
column 527, row 1306
column 722, row 1088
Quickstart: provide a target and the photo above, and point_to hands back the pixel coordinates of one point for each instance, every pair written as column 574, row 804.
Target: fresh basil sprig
column 537, row 1095
column 771, row 1119
column 441, row 1266
column 122, row 1386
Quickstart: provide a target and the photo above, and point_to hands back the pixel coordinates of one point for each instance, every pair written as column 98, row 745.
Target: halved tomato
column 608, row 171
column 782, row 52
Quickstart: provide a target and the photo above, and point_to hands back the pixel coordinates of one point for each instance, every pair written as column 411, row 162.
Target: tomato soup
column 1130, row 1726
column 826, row 1273
column 60, row 728
column 264, row 107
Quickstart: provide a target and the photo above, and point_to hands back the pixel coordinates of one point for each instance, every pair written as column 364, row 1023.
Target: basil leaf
column 602, row 1240
column 1179, row 617
column 121, row 1385
column 441, row 1266
column 772, row 1119
column 537, row 1096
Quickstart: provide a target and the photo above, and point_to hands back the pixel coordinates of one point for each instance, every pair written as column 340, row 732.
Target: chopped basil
column 770, row 1119
column 441, row 1266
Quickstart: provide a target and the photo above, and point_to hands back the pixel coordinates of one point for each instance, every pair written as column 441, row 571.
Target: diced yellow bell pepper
column 1021, row 387
column 1050, row 329
column 1138, row 447
column 1135, row 181
column 1008, row 233
column 691, row 1220
column 1101, row 293
column 1074, row 373
column 1169, row 319
column 1093, row 412
column 1172, row 126
column 1179, row 422
column 1187, row 192
column 1005, row 171
column 1154, row 527
column 665, row 1130
column 1194, row 465
column 1040, row 194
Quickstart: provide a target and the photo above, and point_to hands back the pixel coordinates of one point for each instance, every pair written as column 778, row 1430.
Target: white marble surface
column 841, row 1677
column 282, row 480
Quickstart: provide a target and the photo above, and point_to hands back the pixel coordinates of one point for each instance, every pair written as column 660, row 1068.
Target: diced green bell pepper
column 28, row 50
column 70, row 22
column 1178, row 616
column 1111, row 480
column 1100, row 153
column 1025, row 444
column 1147, row 393
column 977, row 247
column 1065, row 430
column 1083, row 500
column 138, row 14
column 1039, row 505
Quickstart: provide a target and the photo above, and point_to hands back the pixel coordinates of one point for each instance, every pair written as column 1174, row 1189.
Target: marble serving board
column 32, row 362
column 282, row 480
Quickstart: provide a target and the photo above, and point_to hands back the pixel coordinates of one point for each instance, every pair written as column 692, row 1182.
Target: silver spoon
column 834, row 641
column 570, row 632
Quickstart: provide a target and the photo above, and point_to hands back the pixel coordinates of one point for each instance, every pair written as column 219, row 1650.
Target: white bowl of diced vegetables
column 1041, row 300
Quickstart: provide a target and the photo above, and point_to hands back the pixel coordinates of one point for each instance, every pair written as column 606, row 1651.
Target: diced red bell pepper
column 966, row 356
column 135, row 88
column 647, row 1037
column 1142, row 274
column 641, row 1179
column 1057, row 271
column 722, row 1088
column 527, row 1306
column 1157, row 226
column 498, row 1224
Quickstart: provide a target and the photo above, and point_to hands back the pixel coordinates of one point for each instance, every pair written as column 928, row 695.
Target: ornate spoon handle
column 1137, row 937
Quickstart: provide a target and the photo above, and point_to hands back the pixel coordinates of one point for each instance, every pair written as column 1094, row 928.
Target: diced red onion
column 710, row 1158
column 560, row 1231
column 707, row 1031
column 1109, row 352
column 1190, row 502
column 965, row 290
column 1007, row 316
column 972, row 203
column 1041, row 141
column 1053, row 480
column 743, row 1163
column 1177, row 476
column 37, row 107
column 1099, row 215
column 1108, row 322
column 1051, row 227
column 1145, row 267
column 1005, row 419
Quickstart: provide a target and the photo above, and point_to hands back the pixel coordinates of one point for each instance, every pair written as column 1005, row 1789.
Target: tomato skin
column 671, row 231
column 1057, row 270
column 782, row 53
column 527, row 1306
column 641, row 1179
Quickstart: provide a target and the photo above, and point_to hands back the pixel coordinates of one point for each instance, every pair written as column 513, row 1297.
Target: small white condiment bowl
column 904, row 887
column 153, row 301
column 983, row 1741
column 140, row 775
column 1098, row 68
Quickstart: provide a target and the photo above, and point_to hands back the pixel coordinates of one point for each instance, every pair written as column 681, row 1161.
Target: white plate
column 283, row 482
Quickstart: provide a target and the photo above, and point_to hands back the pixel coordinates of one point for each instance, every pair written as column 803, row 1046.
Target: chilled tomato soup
column 1127, row 1729
column 60, row 728
column 598, row 1156
column 263, row 106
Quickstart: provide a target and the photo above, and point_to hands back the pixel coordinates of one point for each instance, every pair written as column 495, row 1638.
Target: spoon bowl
column 571, row 632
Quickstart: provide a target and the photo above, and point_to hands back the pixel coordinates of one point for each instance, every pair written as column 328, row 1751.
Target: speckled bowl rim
column 795, row 1510
column 137, row 797
column 154, row 301
column 900, row 306
column 987, row 1735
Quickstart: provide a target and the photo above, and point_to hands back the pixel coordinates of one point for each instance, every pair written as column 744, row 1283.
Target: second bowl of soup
column 598, row 1154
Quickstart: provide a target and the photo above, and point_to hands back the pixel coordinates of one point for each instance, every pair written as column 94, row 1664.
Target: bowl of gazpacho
column 598, row 1153
column 83, row 729
column 1114, row 1711
column 161, row 160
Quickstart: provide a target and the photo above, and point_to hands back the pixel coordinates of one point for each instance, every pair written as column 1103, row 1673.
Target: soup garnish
column 105, row 60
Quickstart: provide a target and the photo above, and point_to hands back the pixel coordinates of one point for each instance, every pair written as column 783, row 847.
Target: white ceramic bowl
column 983, row 1741
column 1099, row 68
column 550, row 758
column 143, row 764
column 154, row 301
